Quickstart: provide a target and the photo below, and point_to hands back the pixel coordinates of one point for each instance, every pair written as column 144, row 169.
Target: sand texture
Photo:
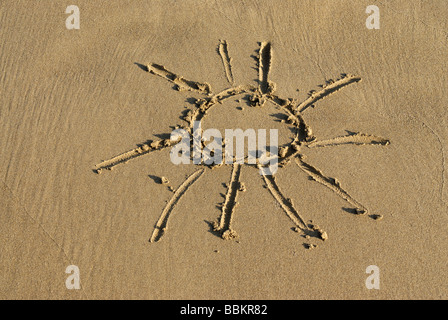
column 86, row 175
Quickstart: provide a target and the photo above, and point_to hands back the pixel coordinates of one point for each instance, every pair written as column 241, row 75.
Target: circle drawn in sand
column 255, row 96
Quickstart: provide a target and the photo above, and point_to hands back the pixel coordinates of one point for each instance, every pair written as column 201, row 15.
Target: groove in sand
column 330, row 183
column 230, row 203
column 226, row 60
column 357, row 138
column 284, row 202
column 264, row 66
column 181, row 83
column 161, row 225
column 327, row 90
column 256, row 96
column 134, row 153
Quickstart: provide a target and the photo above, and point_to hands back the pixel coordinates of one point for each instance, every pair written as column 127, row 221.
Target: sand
column 86, row 175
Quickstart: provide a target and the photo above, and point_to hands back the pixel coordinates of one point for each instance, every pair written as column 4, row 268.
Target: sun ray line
column 228, row 209
column 144, row 149
column 162, row 223
column 326, row 91
column 285, row 203
column 181, row 83
column 264, row 66
column 331, row 183
column 226, row 60
column 357, row 138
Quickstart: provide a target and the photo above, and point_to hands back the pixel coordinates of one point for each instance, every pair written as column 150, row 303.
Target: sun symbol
column 256, row 96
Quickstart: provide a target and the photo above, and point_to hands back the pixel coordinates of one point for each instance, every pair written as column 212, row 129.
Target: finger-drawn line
column 181, row 83
column 327, row 90
column 230, row 203
column 204, row 105
column 285, row 203
column 356, row 138
column 255, row 96
column 162, row 223
column 134, row 153
column 331, row 183
column 226, row 60
column 264, row 66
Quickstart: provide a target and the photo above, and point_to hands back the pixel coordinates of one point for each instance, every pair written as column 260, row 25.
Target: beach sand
column 71, row 99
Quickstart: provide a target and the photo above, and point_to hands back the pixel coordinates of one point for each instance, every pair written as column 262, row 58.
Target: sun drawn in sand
column 256, row 96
